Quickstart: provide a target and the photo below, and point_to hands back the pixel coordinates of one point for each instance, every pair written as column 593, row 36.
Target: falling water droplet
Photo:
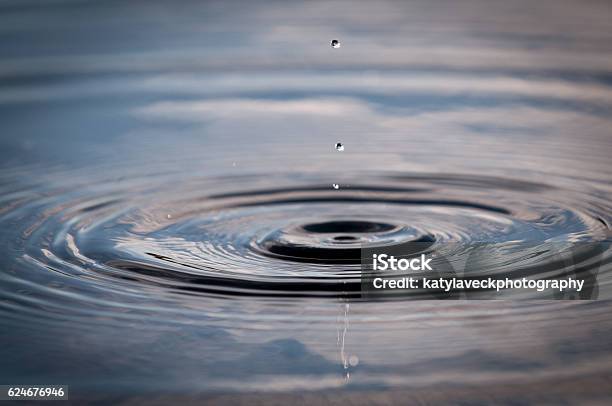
column 169, row 216
column 353, row 360
column 335, row 43
column 339, row 147
column 336, row 186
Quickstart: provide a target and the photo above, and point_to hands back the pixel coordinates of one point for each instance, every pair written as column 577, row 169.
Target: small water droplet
column 169, row 216
column 336, row 186
column 353, row 360
column 339, row 147
column 335, row 43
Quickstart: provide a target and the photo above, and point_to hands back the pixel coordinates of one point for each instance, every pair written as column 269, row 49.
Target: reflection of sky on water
column 426, row 76
column 435, row 349
column 127, row 89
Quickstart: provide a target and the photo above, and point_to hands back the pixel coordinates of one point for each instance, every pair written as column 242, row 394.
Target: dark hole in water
column 345, row 238
column 348, row 227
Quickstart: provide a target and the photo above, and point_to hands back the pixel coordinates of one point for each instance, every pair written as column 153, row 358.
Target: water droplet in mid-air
column 339, row 147
column 335, row 43
column 169, row 216
column 336, row 186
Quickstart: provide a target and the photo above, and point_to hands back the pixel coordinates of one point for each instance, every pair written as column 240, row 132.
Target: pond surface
column 177, row 217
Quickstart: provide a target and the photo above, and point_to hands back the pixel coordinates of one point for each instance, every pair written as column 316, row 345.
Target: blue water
column 163, row 165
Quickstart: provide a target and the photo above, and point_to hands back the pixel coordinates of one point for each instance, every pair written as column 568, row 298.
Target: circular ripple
column 334, row 241
column 300, row 238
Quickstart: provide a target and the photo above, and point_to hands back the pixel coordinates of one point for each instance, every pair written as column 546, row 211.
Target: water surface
column 168, row 223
